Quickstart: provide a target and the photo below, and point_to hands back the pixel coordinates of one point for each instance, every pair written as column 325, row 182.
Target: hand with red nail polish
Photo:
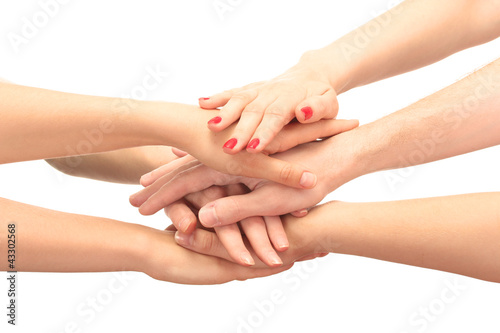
column 261, row 110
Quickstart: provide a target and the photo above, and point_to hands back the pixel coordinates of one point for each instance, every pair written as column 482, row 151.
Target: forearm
column 440, row 233
column 38, row 123
column 50, row 241
column 120, row 166
column 461, row 118
column 411, row 35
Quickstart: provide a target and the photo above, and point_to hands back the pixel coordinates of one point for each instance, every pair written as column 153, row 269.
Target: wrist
column 329, row 64
column 170, row 124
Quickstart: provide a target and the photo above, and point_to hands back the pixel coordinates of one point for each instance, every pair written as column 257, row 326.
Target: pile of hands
column 267, row 152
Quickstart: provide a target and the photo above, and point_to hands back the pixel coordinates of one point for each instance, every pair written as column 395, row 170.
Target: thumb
column 283, row 172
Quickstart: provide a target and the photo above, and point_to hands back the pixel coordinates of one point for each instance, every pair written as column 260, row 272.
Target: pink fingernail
column 275, row 259
column 247, row 259
column 208, row 216
column 184, row 239
column 308, row 180
column 204, row 98
column 308, row 112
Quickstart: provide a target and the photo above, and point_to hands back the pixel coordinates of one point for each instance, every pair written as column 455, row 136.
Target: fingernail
column 208, row 216
column 215, row 120
column 274, row 259
column 184, row 239
column 230, row 143
column 282, row 243
column 308, row 180
column 204, row 98
column 308, row 112
column 302, row 212
column 253, row 144
column 247, row 259
column 145, row 178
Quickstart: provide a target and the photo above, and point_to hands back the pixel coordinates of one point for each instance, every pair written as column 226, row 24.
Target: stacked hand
column 190, row 191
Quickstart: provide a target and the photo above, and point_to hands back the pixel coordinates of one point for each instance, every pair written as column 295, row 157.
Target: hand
column 205, row 147
column 333, row 160
column 308, row 241
column 167, row 261
column 264, row 108
column 260, row 232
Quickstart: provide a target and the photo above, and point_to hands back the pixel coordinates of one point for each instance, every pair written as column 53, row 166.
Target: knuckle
column 286, row 173
column 244, row 96
column 254, row 108
column 214, row 192
column 207, row 243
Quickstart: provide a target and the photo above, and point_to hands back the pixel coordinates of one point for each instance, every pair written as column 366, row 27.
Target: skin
column 440, row 233
column 50, row 241
column 126, row 138
column 459, row 119
column 64, row 124
column 411, row 35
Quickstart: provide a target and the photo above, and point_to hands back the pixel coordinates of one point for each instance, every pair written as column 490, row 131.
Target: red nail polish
column 215, row 120
column 308, row 112
column 230, row 143
column 253, row 144
column 204, row 98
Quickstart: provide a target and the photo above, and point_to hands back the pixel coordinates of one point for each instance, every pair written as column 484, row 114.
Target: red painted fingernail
column 253, row 144
column 308, row 112
column 230, row 143
column 204, row 98
column 215, row 120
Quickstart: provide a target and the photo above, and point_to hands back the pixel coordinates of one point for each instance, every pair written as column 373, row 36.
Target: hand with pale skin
column 411, row 35
column 63, row 125
column 51, row 241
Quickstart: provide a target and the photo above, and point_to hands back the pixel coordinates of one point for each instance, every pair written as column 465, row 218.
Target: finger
column 182, row 216
column 295, row 133
column 150, row 177
column 232, row 110
column 235, row 208
column 276, row 233
column 315, row 108
column 312, row 256
column 216, row 100
column 137, row 199
column 210, row 243
column 257, row 234
column 232, row 240
column 276, row 116
column 279, row 171
column 249, row 121
column 179, row 153
column 191, row 180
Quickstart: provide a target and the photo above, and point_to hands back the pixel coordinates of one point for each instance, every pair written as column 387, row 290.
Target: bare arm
column 411, row 35
column 39, row 123
column 119, row 166
column 50, row 241
column 415, row 33
column 441, row 233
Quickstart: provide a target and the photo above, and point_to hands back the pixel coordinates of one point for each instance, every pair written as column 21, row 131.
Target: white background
column 105, row 47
